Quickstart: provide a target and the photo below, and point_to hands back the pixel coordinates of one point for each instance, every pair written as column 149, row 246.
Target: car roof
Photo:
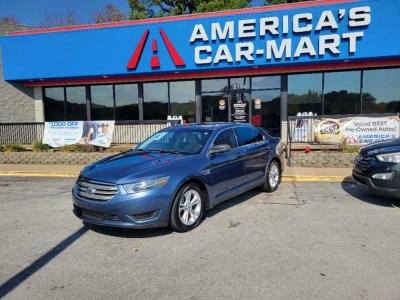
column 211, row 125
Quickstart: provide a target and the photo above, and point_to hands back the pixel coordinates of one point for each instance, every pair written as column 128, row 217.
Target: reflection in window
column 126, row 102
column 266, row 82
column 248, row 135
column 240, row 83
column 305, row 94
column 54, row 105
column 76, row 103
column 214, row 107
column 226, row 137
column 182, row 100
column 214, row 85
column 102, row 102
column 342, row 92
column 381, row 91
column 266, row 110
column 155, row 105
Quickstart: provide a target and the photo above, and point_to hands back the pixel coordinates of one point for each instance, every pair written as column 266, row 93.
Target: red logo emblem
column 155, row 61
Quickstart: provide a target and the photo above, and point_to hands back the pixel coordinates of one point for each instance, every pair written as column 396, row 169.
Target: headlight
column 142, row 186
column 389, row 157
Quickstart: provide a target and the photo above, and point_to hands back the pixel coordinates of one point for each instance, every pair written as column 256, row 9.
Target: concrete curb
column 285, row 178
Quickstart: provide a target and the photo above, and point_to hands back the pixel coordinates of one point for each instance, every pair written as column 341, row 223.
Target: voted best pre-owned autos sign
column 316, row 32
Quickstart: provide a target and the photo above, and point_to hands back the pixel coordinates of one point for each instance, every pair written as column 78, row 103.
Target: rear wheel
column 188, row 208
column 272, row 177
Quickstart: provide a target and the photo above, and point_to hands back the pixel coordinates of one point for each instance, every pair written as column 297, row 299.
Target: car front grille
column 96, row 215
column 95, row 190
column 362, row 162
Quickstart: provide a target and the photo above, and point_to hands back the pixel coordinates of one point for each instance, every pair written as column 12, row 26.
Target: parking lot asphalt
column 312, row 240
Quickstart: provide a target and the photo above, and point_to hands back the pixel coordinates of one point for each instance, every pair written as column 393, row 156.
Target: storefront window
column 155, row 101
column 305, row 94
column 342, row 92
column 265, row 82
column 266, row 110
column 102, row 102
column 126, row 102
column 182, row 100
column 381, row 91
column 76, row 103
column 214, row 85
column 54, row 104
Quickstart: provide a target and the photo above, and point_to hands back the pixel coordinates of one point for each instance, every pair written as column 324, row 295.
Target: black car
column 377, row 167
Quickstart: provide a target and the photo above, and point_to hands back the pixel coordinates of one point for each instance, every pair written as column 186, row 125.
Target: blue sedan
column 175, row 175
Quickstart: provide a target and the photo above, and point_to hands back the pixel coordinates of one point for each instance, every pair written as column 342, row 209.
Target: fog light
column 383, row 176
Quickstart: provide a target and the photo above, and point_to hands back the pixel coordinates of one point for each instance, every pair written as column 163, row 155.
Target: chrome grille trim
column 96, row 190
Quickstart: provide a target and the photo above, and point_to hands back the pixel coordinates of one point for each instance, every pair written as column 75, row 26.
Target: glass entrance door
column 214, row 107
column 240, row 110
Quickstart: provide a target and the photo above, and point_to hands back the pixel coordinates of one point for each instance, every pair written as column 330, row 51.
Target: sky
column 33, row 12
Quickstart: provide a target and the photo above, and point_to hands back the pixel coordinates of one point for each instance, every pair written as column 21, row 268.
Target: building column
column 198, row 100
column 284, row 106
column 38, row 103
column 141, row 101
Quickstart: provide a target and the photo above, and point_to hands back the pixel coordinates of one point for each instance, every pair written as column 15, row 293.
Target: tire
column 186, row 216
column 272, row 177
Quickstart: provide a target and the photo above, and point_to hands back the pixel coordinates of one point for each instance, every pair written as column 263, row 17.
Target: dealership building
column 257, row 65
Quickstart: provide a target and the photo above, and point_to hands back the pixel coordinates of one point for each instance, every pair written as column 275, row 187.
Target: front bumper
column 149, row 209
column 389, row 187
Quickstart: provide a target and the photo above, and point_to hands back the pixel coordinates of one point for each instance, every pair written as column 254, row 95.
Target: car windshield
column 184, row 141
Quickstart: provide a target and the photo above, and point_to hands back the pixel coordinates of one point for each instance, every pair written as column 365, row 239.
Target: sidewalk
column 290, row 174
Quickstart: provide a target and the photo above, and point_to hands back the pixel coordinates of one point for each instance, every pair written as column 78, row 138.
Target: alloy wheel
column 190, row 207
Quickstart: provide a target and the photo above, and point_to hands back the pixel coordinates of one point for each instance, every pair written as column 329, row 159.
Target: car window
column 248, row 135
column 226, row 137
column 185, row 141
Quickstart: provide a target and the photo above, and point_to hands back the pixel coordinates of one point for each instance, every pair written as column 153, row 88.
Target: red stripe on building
column 268, row 70
column 178, row 61
column 138, row 52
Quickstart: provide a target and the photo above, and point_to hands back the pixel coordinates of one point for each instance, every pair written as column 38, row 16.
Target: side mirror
column 219, row 149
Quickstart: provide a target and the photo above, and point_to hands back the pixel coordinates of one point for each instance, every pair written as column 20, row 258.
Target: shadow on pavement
column 232, row 202
column 20, row 277
column 361, row 193
column 129, row 233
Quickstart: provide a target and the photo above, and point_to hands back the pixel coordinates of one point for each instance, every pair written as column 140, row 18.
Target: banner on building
column 97, row 133
column 356, row 130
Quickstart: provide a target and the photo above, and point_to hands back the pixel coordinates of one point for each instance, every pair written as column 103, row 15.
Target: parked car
column 175, row 175
column 377, row 167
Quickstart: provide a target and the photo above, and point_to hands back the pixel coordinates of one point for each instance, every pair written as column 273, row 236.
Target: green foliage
column 40, row 147
column 12, row 148
column 349, row 148
column 141, row 9
column 78, row 148
column 274, row 2
column 118, row 149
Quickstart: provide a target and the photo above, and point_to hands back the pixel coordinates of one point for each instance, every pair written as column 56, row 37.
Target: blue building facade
column 255, row 65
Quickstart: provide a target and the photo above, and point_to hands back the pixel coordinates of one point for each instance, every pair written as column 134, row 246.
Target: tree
column 60, row 20
column 141, row 9
column 273, row 2
column 9, row 20
column 110, row 14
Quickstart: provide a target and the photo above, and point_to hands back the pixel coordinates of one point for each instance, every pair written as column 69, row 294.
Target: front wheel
column 272, row 177
column 188, row 208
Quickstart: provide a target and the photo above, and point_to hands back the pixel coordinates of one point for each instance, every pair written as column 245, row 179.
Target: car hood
column 131, row 165
column 381, row 147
